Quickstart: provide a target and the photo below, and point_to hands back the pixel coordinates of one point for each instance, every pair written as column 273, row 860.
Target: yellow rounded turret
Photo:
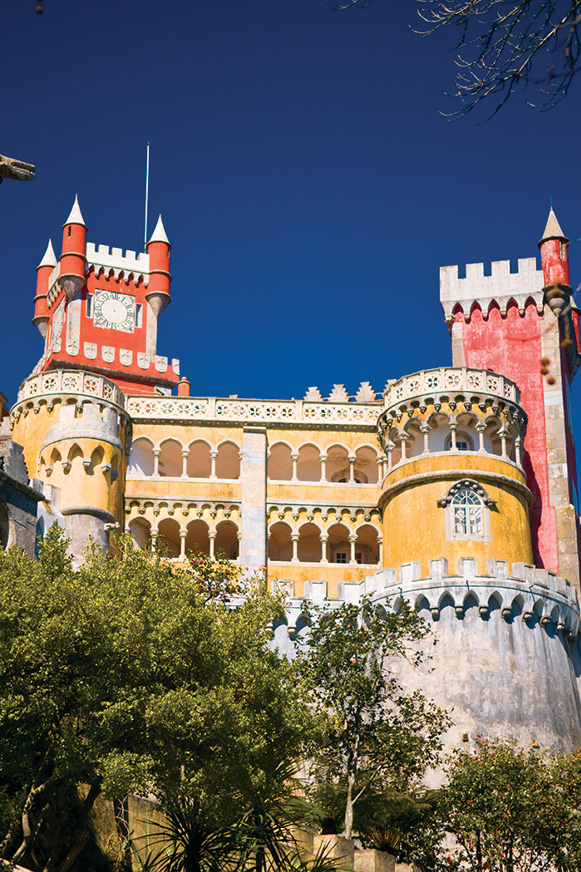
column 455, row 487
column 75, row 432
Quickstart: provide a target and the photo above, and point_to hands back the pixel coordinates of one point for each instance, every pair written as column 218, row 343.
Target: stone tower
column 96, row 310
column 513, row 323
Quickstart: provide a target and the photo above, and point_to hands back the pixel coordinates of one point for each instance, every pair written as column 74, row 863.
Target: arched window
column 467, row 514
column 467, row 510
column 463, row 442
column 467, row 505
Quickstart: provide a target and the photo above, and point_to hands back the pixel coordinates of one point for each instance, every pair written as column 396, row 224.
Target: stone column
column 453, row 428
column 295, row 541
column 352, row 541
column 425, row 429
column 352, row 459
column 294, row 458
column 156, row 453
column 213, row 456
column 480, row 428
column 183, row 537
column 253, row 475
column 323, row 467
column 517, row 450
column 324, row 540
column 212, row 537
column 502, row 434
column 389, row 447
column 380, row 546
column 403, row 440
column 185, row 455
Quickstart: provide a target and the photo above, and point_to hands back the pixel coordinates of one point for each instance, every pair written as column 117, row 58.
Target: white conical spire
column 159, row 234
column 553, row 228
column 76, row 216
column 49, row 258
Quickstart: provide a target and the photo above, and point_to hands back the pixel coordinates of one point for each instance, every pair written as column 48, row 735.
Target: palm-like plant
column 190, row 840
column 264, row 836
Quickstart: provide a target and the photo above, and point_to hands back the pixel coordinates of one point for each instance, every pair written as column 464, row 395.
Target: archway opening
column 309, row 463
column 199, row 463
column 228, row 461
column 198, row 536
column 367, row 546
column 141, row 460
column 226, row 543
column 337, row 464
column 168, row 539
column 170, row 459
column 140, row 530
column 280, row 466
column 339, row 548
column 366, row 469
column 279, row 543
column 309, row 550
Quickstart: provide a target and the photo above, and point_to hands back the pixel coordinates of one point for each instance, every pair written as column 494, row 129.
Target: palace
column 454, row 487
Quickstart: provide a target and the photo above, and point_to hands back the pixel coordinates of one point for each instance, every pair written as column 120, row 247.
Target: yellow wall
column 414, row 525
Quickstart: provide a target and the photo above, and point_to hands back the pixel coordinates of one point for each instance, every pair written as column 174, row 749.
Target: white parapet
column 534, row 595
column 500, row 287
column 115, row 261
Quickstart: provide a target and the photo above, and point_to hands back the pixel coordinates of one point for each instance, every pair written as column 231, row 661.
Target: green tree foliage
column 511, row 809
column 131, row 675
column 374, row 735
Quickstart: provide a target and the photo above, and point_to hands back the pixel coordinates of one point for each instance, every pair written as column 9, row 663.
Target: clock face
column 115, row 311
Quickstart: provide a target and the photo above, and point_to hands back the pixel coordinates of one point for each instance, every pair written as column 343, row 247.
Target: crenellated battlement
column 115, row 261
column 531, row 594
column 499, row 288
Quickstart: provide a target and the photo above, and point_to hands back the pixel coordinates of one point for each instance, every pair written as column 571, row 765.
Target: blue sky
column 308, row 184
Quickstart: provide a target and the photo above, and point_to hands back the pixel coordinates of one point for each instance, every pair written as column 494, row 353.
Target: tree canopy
column 375, row 734
column 125, row 676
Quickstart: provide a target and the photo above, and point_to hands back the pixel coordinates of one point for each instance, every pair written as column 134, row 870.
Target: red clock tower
column 97, row 309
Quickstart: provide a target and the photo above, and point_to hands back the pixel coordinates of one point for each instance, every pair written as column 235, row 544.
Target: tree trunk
column 26, row 827
column 351, row 776
column 349, row 805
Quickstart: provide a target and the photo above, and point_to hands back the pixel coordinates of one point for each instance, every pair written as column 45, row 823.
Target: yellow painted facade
column 314, row 492
column 415, row 523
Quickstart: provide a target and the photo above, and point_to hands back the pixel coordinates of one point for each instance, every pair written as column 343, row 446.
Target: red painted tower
column 97, row 309
column 524, row 325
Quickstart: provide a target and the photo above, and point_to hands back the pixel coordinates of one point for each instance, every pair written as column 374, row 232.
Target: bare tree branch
column 506, row 45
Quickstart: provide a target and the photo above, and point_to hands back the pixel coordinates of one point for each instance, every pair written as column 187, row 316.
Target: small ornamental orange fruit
column 545, row 361
column 566, row 343
column 550, row 380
